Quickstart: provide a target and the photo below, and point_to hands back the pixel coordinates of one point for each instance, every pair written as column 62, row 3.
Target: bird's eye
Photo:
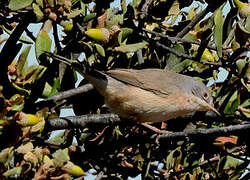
column 205, row 95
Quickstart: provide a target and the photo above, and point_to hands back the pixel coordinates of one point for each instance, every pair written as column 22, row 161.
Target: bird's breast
column 145, row 106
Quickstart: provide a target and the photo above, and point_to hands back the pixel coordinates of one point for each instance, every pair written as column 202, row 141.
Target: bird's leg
column 159, row 131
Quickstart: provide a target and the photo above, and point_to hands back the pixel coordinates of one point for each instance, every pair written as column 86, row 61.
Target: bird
column 146, row 95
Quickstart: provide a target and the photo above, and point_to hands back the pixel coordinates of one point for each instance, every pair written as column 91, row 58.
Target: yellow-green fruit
column 244, row 8
column 98, row 34
column 27, row 119
column 240, row 4
column 68, row 27
column 73, row 169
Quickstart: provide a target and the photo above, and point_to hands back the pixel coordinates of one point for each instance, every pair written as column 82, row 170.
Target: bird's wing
column 158, row 81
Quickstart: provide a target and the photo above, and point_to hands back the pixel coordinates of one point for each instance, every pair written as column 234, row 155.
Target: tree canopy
column 196, row 38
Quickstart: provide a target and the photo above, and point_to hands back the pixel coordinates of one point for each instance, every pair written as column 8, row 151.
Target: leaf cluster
column 203, row 39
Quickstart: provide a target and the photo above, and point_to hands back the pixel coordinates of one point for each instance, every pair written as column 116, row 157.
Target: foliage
column 137, row 34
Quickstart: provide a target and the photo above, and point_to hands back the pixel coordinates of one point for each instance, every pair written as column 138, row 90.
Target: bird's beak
column 211, row 108
column 205, row 106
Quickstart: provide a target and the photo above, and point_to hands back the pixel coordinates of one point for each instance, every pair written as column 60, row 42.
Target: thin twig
column 180, row 54
column 30, row 35
column 69, row 93
column 176, row 39
column 193, row 22
column 55, row 34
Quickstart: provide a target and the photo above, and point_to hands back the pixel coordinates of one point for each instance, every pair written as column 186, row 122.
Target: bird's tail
column 83, row 68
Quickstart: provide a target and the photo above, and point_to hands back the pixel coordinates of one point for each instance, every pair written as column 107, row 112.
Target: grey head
column 197, row 88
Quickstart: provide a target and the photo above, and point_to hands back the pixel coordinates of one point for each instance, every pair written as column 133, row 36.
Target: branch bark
column 212, row 132
column 81, row 121
column 65, row 95
column 105, row 119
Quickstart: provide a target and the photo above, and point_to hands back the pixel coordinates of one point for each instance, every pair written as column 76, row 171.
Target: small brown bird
column 148, row 95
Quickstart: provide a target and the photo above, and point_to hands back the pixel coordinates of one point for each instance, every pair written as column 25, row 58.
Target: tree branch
column 194, row 134
column 65, row 95
column 82, row 121
column 70, row 93
column 105, row 119
column 177, row 39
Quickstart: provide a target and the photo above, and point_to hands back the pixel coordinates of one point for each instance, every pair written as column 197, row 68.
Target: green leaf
column 174, row 158
column 61, row 157
column 19, row 4
column 22, row 61
column 37, row 11
column 25, row 148
column 91, row 59
column 218, row 30
column 246, row 85
column 40, row 3
column 173, row 59
column 34, row 72
column 241, row 64
column 131, row 47
column 181, row 66
column 18, row 102
column 125, row 32
column 47, row 90
column 21, row 90
column 16, row 171
column 232, row 104
column 50, row 91
column 22, row 38
column 232, row 162
column 89, row 17
column 113, row 19
column 43, row 43
column 59, row 138
column 100, row 49
column 246, row 103
column 6, row 155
